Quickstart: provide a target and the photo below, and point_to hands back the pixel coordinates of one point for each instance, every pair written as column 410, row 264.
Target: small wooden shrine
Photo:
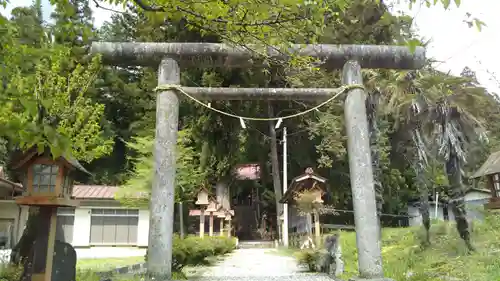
column 310, row 183
column 212, row 208
column 202, row 200
column 307, row 182
column 202, row 197
column 491, row 171
column 48, row 184
column 209, row 205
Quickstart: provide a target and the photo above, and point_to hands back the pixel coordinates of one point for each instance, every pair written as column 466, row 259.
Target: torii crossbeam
column 170, row 56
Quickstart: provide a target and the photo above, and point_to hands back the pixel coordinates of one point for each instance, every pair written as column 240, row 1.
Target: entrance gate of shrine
column 169, row 56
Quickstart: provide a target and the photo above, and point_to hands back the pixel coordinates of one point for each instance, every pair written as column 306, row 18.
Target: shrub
column 10, row 272
column 308, row 258
column 194, row 250
column 87, row 275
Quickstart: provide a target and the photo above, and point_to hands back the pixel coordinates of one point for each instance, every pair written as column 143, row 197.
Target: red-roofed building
column 95, row 228
column 247, row 172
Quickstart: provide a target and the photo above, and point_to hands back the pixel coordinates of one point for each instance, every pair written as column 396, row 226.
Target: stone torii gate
column 168, row 56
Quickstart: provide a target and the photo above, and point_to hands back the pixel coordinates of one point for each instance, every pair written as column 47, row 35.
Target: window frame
column 38, row 174
column 98, row 219
column 63, row 213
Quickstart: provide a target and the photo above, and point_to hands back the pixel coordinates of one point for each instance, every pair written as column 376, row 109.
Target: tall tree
column 73, row 25
column 51, row 110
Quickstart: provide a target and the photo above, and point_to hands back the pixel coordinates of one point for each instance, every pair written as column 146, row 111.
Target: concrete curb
column 135, row 268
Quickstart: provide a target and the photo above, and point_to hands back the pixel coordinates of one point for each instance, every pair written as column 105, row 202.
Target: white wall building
column 100, row 227
column 474, row 201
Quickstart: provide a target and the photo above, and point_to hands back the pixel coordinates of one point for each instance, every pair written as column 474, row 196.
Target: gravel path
column 259, row 265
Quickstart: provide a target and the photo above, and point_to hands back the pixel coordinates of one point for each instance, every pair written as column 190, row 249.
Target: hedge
column 190, row 251
column 193, row 250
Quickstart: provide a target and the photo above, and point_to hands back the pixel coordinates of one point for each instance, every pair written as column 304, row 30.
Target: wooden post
column 202, row 222
column 317, row 230
column 44, row 242
column 229, row 228
column 361, row 175
column 211, row 225
column 51, row 243
column 161, row 223
column 181, row 220
column 221, row 226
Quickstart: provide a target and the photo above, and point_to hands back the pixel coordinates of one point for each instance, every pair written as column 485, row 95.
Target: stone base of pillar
column 370, row 279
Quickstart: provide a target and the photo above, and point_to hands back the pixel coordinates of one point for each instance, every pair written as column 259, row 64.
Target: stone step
column 256, row 244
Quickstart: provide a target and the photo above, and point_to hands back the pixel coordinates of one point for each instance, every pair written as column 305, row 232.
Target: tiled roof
column 247, row 172
column 94, row 191
column 491, row 166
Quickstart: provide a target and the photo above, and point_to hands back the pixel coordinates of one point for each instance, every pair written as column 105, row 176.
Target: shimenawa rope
column 178, row 88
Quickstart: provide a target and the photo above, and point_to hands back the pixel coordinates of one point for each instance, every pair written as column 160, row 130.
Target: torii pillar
column 349, row 57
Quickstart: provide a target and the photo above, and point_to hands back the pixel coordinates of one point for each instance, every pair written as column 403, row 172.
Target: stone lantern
column 48, row 184
column 202, row 201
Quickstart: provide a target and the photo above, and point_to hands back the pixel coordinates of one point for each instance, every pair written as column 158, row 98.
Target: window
column 44, row 178
column 65, row 224
column 496, row 185
column 6, row 233
column 114, row 226
column 67, row 184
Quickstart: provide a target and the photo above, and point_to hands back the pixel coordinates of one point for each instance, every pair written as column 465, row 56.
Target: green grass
column 107, row 263
column 282, row 251
column 447, row 256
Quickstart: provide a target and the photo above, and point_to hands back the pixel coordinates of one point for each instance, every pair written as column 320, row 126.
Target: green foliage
column 10, row 272
column 49, row 108
column 257, row 24
column 194, row 250
column 308, row 258
column 246, row 22
column 189, row 176
column 73, row 24
column 121, row 104
column 44, row 93
column 87, row 275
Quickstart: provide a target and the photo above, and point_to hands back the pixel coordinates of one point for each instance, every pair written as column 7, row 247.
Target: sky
column 452, row 41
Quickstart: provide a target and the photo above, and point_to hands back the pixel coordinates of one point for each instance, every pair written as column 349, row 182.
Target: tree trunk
column 275, row 168
column 23, row 247
column 424, row 204
column 371, row 107
column 457, row 203
column 205, row 152
column 222, row 194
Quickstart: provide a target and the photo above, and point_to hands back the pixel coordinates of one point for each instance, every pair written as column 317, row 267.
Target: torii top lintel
column 215, row 54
